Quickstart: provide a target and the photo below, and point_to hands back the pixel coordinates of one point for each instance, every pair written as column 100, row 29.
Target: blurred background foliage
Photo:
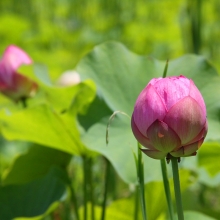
column 59, row 33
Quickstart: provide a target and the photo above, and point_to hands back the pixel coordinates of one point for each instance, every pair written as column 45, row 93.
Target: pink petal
column 186, row 118
column 172, row 89
column 148, row 108
column 195, row 93
column 162, row 137
column 201, row 135
column 155, row 80
column 154, row 154
column 13, row 57
column 144, row 141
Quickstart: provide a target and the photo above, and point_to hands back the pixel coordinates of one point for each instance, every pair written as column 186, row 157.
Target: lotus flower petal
column 162, row 137
column 13, row 84
column 195, row 94
column 154, row 154
column 172, row 89
column 13, row 57
column 201, row 135
column 188, row 150
column 148, row 108
column 144, row 141
column 186, row 118
column 191, row 148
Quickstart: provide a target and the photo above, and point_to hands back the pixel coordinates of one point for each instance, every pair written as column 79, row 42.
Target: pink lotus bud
column 13, row 84
column 170, row 118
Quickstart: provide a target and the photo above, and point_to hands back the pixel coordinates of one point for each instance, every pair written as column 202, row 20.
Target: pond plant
column 66, row 171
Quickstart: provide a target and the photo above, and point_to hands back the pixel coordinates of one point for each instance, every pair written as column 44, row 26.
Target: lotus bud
column 69, row 78
column 13, row 84
column 169, row 118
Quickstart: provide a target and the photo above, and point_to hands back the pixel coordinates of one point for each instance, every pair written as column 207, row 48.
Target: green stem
column 91, row 187
column 85, row 191
column 74, row 200
column 165, row 69
column 136, row 203
column 1, row 170
column 23, row 102
column 177, row 188
column 167, row 188
column 107, row 172
column 140, row 174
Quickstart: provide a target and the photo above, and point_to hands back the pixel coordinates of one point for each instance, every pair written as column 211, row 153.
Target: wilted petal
column 188, row 150
column 23, row 87
column 154, row 154
column 148, row 108
column 186, row 118
column 13, row 57
column 178, row 153
column 162, row 137
column 144, row 141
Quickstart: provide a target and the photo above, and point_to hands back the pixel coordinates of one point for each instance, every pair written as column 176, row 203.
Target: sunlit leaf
column 41, row 125
column 60, row 97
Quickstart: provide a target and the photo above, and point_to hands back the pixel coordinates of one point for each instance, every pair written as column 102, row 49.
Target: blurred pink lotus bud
column 13, row 84
column 69, row 78
column 169, row 118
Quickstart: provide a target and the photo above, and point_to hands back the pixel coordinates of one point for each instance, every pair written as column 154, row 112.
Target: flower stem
column 167, row 188
column 107, row 172
column 136, row 203
column 91, row 187
column 74, row 200
column 23, row 102
column 177, row 190
column 1, row 170
column 85, row 191
column 140, row 175
column 165, row 69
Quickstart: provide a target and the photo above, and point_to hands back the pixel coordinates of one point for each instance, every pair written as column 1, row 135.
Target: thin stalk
column 74, row 200
column 1, row 169
column 140, row 174
column 23, row 102
column 136, row 203
column 113, row 185
column 177, row 190
column 85, row 191
column 91, row 188
column 107, row 171
column 167, row 188
column 165, row 69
